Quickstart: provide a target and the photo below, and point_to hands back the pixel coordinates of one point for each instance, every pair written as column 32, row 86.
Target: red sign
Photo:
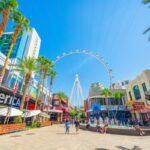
column 31, row 106
column 138, row 105
column 15, row 88
column 28, row 97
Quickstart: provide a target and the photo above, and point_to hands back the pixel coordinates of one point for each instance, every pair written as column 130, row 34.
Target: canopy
column 55, row 111
column 44, row 115
column 31, row 113
column 11, row 112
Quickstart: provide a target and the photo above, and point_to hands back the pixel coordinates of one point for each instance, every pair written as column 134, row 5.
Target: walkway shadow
column 101, row 149
column 30, row 133
column 124, row 148
column 67, row 134
column 15, row 136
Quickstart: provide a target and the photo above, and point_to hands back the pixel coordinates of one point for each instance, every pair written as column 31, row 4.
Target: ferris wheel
column 90, row 53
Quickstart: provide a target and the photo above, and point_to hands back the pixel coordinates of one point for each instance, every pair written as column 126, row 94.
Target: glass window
column 137, row 93
column 130, row 95
column 144, row 87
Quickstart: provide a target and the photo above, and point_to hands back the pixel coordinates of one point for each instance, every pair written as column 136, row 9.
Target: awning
column 90, row 110
column 55, row 111
column 66, row 117
column 145, row 110
column 55, row 98
column 31, row 113
column 12, row 112
column 44, row 115
column 58, row 108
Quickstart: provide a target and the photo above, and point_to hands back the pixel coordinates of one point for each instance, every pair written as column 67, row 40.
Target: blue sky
column 112, row 28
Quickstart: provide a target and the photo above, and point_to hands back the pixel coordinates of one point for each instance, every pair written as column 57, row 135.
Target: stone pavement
column 53, row 138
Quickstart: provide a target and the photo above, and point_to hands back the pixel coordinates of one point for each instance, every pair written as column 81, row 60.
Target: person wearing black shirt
column 77, row 125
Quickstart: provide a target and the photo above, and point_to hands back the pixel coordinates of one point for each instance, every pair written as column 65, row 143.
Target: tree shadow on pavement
column 124, row 148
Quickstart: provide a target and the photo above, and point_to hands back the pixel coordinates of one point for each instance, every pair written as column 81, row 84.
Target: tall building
column 95, row 89
column 18, row 48
column 27, row 45
column 32, row 44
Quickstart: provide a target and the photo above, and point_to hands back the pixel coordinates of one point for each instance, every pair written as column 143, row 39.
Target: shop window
column 137, row 93
column 144, row 87
column 130, row 95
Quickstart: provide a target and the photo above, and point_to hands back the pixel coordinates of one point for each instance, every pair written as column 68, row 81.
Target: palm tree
column 146, row 1
column 52, row 74
column 107, row 93
column 47, row 65
column 6, row 7
column 118, row 95
column 60, row 96
column 26, row 66
column 22, row 23
column 41, row 61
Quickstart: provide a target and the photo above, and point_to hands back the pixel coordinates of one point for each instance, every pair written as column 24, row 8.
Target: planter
column 8, row 128
column 46, row 123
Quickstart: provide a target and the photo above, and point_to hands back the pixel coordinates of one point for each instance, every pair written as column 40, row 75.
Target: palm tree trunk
column 106, row 98
column 117, row 110
column 44, row 77
column 51, row 83
column 16, row 33
column 5, row 17
column 27, row 79
column 39, row 87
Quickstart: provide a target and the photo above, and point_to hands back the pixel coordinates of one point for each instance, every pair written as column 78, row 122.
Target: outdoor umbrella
column 44, row 115
column 11, row 112
column 31, row 113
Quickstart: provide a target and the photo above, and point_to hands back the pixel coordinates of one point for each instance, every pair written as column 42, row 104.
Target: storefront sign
column 103, row 108
column 7, row 99
column 135, row 106
column 138, row 105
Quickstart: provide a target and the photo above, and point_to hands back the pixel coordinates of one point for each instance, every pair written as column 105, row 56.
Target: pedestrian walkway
column 53, row 138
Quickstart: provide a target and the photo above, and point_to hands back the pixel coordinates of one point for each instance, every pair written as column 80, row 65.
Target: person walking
column 67, row 126
column 77, row 125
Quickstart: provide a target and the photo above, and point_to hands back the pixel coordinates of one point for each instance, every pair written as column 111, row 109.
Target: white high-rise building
column 33, row 44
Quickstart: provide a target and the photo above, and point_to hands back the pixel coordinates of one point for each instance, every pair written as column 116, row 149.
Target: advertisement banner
column 96, row 107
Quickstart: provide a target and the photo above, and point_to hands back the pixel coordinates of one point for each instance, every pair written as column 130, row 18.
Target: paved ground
column 53, row 138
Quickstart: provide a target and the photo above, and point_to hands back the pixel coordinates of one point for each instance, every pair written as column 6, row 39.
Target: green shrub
column 17, row 120
column 46, row 119
column 33, row 125
column 38, row 124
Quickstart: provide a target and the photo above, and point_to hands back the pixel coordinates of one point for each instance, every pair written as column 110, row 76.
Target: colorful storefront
column 63, row 107
column 138, row 110
column 119, row 112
